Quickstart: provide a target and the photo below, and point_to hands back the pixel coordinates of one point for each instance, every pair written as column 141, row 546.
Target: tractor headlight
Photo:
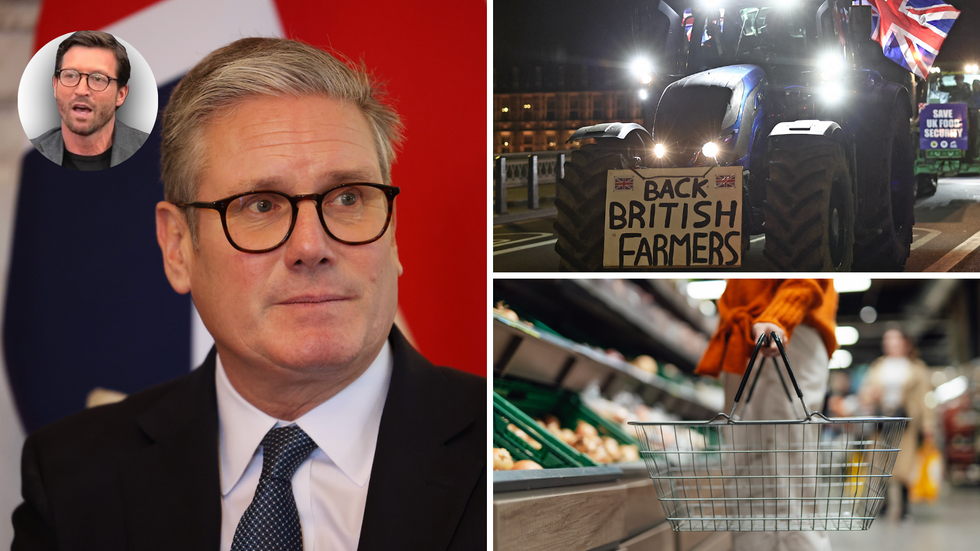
column 831, row 92
column 642, row 69
column 710, row 149
column 659, row 150
column 831, row 67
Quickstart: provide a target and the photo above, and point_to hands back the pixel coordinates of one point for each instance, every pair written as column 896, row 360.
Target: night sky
column 599, row 33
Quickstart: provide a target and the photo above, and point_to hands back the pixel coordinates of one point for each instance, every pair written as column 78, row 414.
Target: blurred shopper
column 841, row 401
column 802, row 312
column 895, row 386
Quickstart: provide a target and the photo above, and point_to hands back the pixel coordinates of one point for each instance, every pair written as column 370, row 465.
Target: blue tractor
column 797, row 95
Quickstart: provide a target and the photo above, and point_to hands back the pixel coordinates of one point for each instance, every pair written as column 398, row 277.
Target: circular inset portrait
column 87, row 100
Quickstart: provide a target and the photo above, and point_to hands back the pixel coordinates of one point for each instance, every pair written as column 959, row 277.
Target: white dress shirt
column 331, row 486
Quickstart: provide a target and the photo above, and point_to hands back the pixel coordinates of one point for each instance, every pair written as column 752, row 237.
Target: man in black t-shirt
column 90, row 83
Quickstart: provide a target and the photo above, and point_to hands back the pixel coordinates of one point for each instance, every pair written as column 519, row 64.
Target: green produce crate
column 554, row 454
column 537, row 401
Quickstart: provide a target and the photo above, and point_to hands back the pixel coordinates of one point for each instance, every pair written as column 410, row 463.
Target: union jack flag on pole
column 912, row 31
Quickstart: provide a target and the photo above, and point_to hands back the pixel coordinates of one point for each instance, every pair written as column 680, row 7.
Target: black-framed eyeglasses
column 261, row 221
column 97, row 82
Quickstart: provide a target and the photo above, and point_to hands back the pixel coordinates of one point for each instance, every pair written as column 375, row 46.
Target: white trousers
column 808, row 357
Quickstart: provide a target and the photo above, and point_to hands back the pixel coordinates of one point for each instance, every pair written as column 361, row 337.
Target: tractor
column 792, row 96
column 946, row 137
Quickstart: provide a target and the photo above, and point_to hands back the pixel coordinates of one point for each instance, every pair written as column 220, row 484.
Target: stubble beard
column 101, row 116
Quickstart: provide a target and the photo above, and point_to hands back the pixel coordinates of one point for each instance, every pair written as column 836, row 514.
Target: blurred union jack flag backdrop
column 912, row 31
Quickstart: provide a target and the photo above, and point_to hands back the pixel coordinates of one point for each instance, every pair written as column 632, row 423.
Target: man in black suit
column 313, row 422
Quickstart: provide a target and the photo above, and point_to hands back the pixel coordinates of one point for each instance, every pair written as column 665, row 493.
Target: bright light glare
column 947, row 391
column 831, row 67
column 847, row 335
column 841, row 359
column 934, row 70
column 646, row 79
column 644, row 94
column 706, row 290
column 710, row 149
column 852, row 284
column 659, row 150
column 641, row 67
column 972, row 68
column 831, row 92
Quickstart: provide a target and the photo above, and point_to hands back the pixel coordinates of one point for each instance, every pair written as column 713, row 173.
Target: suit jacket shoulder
column 51, row 145
column 125, row 142
column 428, row 483
column 100, row 478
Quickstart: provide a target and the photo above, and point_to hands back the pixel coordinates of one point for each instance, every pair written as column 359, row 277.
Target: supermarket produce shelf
column 676, row 303
column 512, row 481
column 665, row 335
column 589, row 311
column 521, row 350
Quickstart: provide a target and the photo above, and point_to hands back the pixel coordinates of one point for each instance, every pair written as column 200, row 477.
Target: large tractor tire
column 885, row 211
column 809, row 206
column 581, row 202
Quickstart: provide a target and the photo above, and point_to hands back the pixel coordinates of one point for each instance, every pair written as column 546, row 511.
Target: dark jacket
column 125, row 142
column 143, row 474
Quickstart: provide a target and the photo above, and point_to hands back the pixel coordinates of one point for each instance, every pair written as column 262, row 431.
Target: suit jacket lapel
column 53, row 147
column 171, row 486
column 419, row 482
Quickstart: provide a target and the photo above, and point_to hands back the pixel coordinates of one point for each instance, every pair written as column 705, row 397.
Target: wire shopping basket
column 815, row 473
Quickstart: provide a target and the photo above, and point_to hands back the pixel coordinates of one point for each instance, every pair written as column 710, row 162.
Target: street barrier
column 512, row 170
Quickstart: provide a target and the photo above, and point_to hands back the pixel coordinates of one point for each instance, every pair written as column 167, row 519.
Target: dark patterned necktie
column 271, row 521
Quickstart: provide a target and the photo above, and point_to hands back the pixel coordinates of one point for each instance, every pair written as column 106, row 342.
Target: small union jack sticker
column 623, row 184
column 724, row 180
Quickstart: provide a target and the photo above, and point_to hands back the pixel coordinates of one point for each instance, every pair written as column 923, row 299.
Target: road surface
column 946, row 236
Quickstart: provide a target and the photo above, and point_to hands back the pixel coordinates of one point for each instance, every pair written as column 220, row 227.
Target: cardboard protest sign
column 673, row 217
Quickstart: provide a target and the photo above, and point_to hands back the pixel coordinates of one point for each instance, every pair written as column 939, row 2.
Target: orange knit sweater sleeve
column 786, row 303
column 792, row 300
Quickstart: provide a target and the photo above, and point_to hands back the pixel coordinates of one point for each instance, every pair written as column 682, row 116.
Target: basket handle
column 763, row 339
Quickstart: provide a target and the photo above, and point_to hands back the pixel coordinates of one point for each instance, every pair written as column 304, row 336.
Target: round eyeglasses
column 261, row 221
column 97, row 82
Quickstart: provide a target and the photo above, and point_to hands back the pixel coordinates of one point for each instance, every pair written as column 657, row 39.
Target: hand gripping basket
column 809, row 474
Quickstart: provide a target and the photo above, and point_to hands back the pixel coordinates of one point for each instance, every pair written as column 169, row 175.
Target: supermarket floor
column 952, row 523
